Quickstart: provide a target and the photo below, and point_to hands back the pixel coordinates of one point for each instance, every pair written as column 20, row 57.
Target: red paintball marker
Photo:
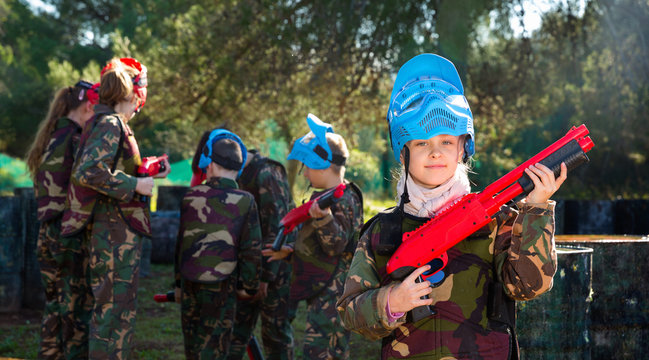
column 151, row 166
column 253, row 349
column 301, row 214
column 428, row 243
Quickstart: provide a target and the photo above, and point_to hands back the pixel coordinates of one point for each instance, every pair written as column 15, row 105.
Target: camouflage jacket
column 105, row 170
column 53, row 175
column 324, row 247
column 266, row 180
column 517, row 251
column 218, row 235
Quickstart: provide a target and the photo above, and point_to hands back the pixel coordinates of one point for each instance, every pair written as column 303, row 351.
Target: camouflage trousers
column 115, row 253
column 68, row 301
column 324, row 334
column 207, row 315
column 276, row 330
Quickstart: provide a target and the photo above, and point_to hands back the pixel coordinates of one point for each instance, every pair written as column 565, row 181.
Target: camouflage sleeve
column 249, row 251
column 97, row 158
column 525, row 255
column 334, row 230
column 362, row 304
column 179, row 239
column 274, row 202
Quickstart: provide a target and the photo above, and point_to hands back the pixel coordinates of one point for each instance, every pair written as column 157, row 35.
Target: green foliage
column 258, row 67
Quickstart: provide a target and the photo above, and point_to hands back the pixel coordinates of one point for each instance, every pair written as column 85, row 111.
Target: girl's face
column 315, row 177
column 433, row 161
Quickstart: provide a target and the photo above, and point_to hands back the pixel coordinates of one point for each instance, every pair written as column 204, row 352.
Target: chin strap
column 405, row 198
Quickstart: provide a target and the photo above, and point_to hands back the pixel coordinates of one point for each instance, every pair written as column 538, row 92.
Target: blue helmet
column 428, row 100
column 208, row 156
column 314, row 151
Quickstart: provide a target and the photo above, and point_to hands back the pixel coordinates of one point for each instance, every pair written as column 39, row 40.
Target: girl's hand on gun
column 144, row 186
column 545, row 185
column 163, row 174
column 276, row 255
column 407, row 295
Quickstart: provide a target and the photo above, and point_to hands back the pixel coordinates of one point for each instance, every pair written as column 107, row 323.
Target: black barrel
column 11, row 255
column 33, row 290
column 555, row 325
column 170, row 198
column 164, row 226
column 620, row 307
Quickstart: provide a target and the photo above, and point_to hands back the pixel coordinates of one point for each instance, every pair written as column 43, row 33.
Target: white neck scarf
column 426, row 202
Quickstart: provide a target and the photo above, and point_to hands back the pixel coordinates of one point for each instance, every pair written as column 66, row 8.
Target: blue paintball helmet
column 312, row 149
column 209, row 155
column 428, row 100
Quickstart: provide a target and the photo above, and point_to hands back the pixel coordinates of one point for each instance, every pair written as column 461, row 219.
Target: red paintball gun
column 253, row 349
column 151, row 166
column 428, row 243
column 301, row 214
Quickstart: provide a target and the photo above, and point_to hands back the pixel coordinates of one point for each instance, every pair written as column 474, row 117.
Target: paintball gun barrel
column 300, row 214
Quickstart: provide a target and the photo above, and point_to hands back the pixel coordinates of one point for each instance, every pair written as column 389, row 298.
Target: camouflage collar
column 222, row 183
column 103, row 109
column 66, row 121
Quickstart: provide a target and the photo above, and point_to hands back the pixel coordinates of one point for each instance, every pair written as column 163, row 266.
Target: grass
column 157, row 333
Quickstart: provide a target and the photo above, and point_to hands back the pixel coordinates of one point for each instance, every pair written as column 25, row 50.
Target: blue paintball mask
column 428, row 100
column 209, row 155
column 312, row 149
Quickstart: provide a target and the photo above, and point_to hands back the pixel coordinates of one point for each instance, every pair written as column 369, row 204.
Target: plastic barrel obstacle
column 11, row 254
column 555, row 325
column 620, row 308
column 33, row 291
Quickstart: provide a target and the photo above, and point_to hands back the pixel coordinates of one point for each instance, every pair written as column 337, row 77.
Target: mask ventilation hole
column 438, row 118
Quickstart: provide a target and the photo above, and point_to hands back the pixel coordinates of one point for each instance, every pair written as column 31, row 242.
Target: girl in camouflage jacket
column 105, row 206
column 64, row 330
column 431, row 129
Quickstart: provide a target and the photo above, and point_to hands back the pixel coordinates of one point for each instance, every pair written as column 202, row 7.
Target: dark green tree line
column 258, row 67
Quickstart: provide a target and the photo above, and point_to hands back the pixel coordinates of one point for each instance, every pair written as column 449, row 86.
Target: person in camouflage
column 218, row 252
column 103, row 206
column 325, row 243
column 64, row 327
column 267, row 181
column 514, row 255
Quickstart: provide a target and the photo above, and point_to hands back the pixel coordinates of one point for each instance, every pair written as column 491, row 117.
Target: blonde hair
column 337, row 145
column 116, row 83
column 65, row 100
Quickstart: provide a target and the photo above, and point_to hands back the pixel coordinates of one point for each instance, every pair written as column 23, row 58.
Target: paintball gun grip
column 280, row 239
column 421, row 312
column 572, row 154
column 151, row 166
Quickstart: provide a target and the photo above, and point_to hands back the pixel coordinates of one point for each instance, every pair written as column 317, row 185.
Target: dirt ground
column 23, row 317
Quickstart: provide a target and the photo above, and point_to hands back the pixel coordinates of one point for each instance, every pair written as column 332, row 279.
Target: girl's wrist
column 392, row 317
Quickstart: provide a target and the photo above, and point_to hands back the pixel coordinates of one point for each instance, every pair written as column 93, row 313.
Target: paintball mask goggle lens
column 417, row 92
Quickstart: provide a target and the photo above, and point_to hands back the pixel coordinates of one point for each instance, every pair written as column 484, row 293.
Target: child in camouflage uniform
column 218, row 252
column 325, row 243
column 431, row 129
column 267, row 181
column 64, row 328
column 104, row 206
